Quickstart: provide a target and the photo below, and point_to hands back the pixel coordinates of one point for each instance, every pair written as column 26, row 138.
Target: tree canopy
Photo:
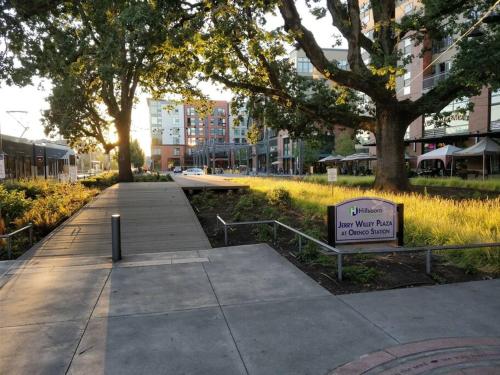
column 97, row 54
column 344, row 144
column 365, row 95
column 137, row 156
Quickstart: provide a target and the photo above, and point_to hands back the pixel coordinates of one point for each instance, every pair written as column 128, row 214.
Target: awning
column 443, row 153
column 331, row 158
column 360, row 156
column 485, row 146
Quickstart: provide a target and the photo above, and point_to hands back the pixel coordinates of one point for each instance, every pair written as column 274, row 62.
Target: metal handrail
column 312, row 239
column 340, row 252
column 418, row 248
column 276, row 223
column 8, row 236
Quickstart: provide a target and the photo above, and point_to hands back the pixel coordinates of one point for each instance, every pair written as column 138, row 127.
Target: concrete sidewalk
column 234, row 310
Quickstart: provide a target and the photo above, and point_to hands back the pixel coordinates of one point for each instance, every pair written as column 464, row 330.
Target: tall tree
column 136, row 154
column 344, row 144
column 257, row 65
column 98, row 53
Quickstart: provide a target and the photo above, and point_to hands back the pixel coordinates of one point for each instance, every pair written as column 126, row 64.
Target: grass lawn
column 428, row 220
column 492, row 184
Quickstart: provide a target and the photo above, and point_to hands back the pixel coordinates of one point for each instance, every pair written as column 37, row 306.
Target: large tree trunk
column 124, row 165
column 391, row 174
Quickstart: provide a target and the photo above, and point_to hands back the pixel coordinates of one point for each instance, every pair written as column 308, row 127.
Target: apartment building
column 277, row 150
column 464, row 128
column 238, row 129
column 178, row 128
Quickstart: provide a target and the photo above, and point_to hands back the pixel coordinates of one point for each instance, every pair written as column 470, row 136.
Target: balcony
column 441, row 45
column 431, row 81
column 443, row 131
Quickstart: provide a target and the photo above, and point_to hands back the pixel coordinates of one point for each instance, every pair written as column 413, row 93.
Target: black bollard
column 116, row 240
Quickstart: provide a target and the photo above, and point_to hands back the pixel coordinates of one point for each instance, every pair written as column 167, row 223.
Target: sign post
column 332, row 176
column 365, row 220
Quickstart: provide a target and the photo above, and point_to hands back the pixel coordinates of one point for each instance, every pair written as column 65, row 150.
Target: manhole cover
column 464, row 356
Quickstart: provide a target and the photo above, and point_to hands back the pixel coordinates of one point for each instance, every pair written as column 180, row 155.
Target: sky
column 29, row 102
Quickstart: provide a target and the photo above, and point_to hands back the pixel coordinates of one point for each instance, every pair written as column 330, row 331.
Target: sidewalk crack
column 226, row 321
column 88, row 322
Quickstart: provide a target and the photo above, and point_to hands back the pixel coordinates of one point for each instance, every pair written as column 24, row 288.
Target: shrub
column 428, row 220
column 311, row 255
column 102, row 181
column 247, row 208
column 47, row 212
column 32, row 188
column 360, row 274
column 279, row 197
column 152, row 178
column 13, row 203
column 263, row 232
column 204, row 199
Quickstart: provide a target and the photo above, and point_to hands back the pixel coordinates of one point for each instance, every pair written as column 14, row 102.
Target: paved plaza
column 176, row 306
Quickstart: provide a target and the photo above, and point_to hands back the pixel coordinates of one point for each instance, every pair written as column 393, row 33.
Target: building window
column 440, row 45
column 219, row 112
column 177, row 151
column 304, row 65
column 408, row 9
column 191, row 111
column 343, row 64
column 406, row 47
column 495, row 111
column 176, row 140
column 406, row 83
column 286, row 147
column 456, row 118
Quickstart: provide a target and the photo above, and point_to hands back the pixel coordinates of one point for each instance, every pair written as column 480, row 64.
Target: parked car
column 193, row 172
column 177, row 169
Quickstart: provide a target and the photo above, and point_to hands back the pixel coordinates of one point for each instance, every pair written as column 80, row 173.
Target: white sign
column 2, row 166
column 332, row 174
column 365, row 220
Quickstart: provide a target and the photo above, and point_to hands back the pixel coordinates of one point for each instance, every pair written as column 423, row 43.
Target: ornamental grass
column 429, row 220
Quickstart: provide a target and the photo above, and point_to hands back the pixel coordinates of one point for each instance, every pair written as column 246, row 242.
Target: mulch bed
column 394, row 270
